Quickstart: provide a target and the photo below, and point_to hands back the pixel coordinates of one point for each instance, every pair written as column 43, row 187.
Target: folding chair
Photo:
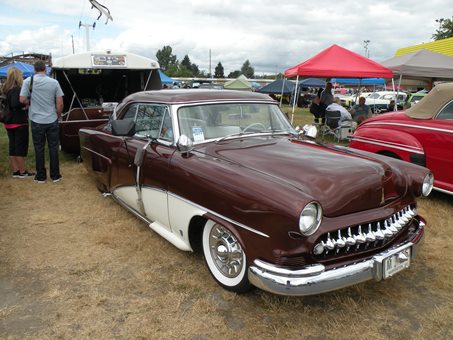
column 331, row 126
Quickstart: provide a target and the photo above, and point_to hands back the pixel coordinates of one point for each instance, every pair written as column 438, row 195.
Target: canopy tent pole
column 294, row 101
column 75, row 94
column 281, row 95
column 397, row 92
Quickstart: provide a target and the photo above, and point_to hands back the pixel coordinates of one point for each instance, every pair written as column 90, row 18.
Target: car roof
column 181, row 96
column 437, row 98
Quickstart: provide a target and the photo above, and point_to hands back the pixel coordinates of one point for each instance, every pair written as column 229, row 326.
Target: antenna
column 87, row 33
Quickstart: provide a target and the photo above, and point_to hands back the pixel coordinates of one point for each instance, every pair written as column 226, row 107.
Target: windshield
column 212, row 121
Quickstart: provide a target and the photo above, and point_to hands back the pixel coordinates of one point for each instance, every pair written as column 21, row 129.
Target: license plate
column 396, row 262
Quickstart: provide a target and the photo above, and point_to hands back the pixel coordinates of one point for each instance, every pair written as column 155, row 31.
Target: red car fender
column 388, row 142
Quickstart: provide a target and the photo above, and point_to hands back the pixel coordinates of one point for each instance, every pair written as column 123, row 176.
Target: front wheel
column 225, row 257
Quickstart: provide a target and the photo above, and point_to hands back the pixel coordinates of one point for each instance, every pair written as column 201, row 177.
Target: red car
column 421, row 135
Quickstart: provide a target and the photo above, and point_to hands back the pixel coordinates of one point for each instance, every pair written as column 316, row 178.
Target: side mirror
column 124, row 127
column 184, row 144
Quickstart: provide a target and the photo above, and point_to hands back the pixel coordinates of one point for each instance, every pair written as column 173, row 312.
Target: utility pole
column 210, row 72
column 87, row 33
column 367, row 50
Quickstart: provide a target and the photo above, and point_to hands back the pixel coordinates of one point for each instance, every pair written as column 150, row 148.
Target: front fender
column 385, row 141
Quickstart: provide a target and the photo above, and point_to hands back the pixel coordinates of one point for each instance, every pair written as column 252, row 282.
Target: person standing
column 17, row 124
column 326, row 96
column 44, row 97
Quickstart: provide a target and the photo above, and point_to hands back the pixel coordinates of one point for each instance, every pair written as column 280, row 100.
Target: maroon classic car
column 224, row 173
column 421, row 135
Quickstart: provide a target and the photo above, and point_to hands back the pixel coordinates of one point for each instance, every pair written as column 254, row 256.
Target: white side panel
column 175, row 239
column 155, row 202
column 180, row 213
column 128, row 195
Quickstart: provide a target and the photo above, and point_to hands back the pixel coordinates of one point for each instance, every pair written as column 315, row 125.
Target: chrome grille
column 364, row 236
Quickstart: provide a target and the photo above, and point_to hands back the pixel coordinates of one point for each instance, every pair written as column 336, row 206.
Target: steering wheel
column 254, row 124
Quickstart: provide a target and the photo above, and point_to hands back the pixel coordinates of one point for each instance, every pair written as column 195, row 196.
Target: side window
column 447, row 112
column 131, row 112
column 154, row 121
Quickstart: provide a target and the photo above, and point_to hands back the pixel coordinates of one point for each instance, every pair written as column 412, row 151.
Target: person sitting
column 360, row 111
column 346, row 118
column 392, row 107
column 317, row 111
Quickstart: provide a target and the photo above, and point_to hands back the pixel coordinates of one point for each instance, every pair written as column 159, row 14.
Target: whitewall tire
column 225, row 257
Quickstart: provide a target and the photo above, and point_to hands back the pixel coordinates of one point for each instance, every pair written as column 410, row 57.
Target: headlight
column 427, row 184
column 310, row 218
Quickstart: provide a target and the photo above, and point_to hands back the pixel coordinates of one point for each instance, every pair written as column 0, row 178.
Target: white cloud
column 272, row 35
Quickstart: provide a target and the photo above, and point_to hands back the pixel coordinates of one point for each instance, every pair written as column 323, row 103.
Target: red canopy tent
column 338, row 62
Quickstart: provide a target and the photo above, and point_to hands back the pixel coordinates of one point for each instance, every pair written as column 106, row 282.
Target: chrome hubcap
column 226, row 251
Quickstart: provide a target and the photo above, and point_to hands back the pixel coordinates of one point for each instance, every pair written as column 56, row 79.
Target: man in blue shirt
column 45, row 99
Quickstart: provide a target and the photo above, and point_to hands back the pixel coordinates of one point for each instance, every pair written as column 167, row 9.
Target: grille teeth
column 368, row 235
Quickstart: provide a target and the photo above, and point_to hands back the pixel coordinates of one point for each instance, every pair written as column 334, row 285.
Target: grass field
column 76, row 265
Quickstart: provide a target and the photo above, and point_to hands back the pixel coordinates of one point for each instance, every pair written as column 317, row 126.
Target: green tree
column 165, row 57
column 445, row 29
column 186, row 62
column 218, row 71
column 234, row 74
column 247, row 69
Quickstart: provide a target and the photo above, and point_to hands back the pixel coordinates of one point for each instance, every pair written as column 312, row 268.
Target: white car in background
column 379, row 101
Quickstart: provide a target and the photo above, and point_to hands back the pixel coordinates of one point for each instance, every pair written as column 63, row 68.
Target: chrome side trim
column 243, row 226
column 388, row 144
column 443, row 190
column 132, row 210
column 97, row 154
column 83, row 120
column 284, row 281
column 411, row 125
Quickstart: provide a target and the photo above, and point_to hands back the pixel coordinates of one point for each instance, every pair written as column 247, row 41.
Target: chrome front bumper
column 314, row 279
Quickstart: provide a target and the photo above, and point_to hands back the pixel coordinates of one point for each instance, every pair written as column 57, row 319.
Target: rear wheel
column 225, row 257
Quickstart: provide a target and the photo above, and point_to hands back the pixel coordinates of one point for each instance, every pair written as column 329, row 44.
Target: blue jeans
column 41, row 133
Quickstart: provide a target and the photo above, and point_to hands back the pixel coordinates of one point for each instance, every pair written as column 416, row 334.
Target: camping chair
column 331, row 125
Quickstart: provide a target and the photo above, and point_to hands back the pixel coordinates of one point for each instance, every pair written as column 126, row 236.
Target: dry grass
column 76, row 265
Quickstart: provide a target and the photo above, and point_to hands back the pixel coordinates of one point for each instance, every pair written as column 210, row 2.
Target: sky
column 272, row 35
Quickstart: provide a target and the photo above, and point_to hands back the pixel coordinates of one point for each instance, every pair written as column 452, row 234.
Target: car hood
column 341, row 180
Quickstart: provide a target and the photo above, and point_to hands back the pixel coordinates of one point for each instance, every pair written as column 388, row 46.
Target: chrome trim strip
column 410, row 125
column 269, row 277
column 133, row 211
column 443, row 190
column 97, row 154
column 243, row 226
column 83, row 120
column 387, row 144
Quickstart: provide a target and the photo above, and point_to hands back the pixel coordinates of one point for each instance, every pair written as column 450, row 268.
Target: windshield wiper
column 237, row 134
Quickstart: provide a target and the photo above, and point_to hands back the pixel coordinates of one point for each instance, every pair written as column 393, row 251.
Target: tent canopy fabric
column 278, row 86
column 27, row 69
column 422, row 64
column 312, row 82
column 357, row 81
column 240, row 83
column 336, row 61
column 164, row 79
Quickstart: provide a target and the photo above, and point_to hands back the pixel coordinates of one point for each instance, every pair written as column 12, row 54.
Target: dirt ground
column 76, row 265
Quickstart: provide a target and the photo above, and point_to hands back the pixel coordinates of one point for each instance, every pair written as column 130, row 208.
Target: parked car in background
column 379, row 101
column 414, row 98
column 421, row 135
column 224, row 173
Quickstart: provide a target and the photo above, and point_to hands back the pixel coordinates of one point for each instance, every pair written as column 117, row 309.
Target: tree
column 186, row 62
column 165, row 57
column 218, row 71
column 445, row 29
column 247, row 69
column 234, row 74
